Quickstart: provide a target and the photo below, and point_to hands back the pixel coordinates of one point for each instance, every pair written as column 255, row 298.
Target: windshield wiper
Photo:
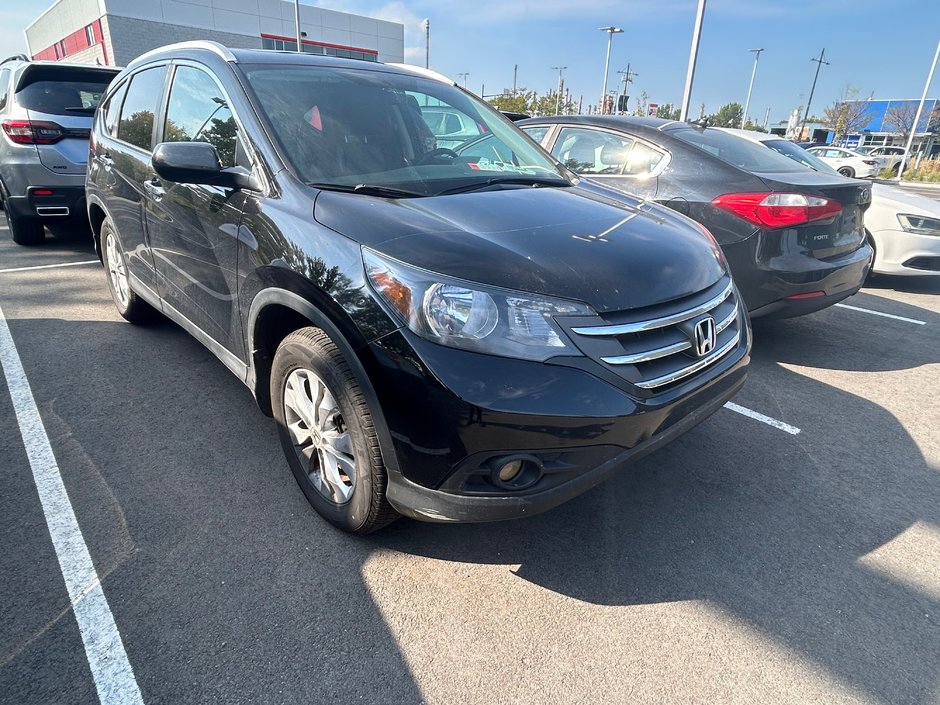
column 533, row 181
column 369, row 190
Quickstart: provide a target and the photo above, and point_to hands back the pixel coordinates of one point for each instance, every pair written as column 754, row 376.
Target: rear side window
column 199, row 112
column 743, row 154
column 112, row 109
column 588, row 151
column 140, row 105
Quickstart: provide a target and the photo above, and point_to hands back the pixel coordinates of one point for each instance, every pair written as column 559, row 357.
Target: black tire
column 310, row 350
column 131, row 307
column 25, row 231
column 847, row 171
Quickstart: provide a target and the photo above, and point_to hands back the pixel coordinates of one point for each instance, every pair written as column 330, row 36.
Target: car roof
column 611, row 121
column 752, row 135
column 213, row 51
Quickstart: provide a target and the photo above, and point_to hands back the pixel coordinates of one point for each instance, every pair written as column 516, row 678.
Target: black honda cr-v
column 464, row 334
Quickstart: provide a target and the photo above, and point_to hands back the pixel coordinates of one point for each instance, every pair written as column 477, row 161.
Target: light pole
column 819, row 62
column 920, row 109
column 693, row 57
column 561, row 84
column 297, row 23
column 750, row 87
column 464, row 77
column 427, row 43
column 611, row 31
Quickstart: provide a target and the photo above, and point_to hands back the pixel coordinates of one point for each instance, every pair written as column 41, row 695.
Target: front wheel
column 847, row 171
column 328, row 434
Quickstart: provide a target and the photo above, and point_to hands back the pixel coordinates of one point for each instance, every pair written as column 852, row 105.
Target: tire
column 847, row 171
column 131, row 307
column 25, row 231
column 310, row 379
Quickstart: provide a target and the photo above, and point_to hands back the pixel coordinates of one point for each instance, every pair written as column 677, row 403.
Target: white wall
column 59, row 21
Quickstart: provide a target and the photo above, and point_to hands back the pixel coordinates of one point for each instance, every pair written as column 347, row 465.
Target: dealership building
column 114, row 32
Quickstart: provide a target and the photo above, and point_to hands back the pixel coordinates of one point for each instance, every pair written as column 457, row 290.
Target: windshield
column 798, row 154
column 738, row 152
column 345, row 127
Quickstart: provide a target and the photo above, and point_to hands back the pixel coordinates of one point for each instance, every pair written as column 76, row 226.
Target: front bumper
column 909, row 254
column 451, row 414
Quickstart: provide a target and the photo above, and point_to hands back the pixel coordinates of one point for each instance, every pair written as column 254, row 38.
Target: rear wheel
column 25, row 231
column 847, row 171
column 327, row 432
column 131, row 307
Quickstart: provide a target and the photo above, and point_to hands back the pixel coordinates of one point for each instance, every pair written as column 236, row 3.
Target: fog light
column 510, row 471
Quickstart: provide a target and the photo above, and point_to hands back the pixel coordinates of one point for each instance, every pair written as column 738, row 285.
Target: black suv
column 464, row 334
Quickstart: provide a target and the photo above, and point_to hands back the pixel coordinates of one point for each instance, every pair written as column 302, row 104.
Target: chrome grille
column 655, row 347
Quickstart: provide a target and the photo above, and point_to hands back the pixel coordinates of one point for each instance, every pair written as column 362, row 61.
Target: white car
column 888, row 157
column 846, row 162
column 903, row 228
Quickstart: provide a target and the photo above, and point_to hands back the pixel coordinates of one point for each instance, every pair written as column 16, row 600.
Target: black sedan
column 795, row 239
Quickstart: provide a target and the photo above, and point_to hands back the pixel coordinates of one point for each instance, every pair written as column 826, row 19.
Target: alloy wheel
column 117, row 271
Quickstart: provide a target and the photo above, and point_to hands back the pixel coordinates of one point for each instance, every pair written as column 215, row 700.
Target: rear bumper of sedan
column 456, row 417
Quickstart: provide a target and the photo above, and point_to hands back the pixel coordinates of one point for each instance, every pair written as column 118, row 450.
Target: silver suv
column 46, row 111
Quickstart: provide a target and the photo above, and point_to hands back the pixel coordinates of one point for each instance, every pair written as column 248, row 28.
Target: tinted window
column 800, row 155
column 347, row 127
column 140, row 104
column 536, row 133
column 738, row 152
column 113, row 108
column 78, row 94
column 199, row 112
column 643, row 160
column 587, row 151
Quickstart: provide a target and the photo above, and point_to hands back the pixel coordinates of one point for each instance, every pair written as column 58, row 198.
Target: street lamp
column 464, row 77
column 561, row 85
column 920, row 109
column 693, row 58
column 427, row 43
column 611, row 31
column 750, row 87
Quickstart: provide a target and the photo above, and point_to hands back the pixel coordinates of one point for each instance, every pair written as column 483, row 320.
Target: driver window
column 199, row 112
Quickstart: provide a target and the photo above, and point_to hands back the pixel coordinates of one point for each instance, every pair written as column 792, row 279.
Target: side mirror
column 196, row 163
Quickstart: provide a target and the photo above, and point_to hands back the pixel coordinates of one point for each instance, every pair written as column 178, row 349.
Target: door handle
column 155, row 188
column 106, row 159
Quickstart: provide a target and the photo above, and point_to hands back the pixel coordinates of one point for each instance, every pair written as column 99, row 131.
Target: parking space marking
column 48, row 266
column 757, row 416
column 886, row 315
column 107, row 658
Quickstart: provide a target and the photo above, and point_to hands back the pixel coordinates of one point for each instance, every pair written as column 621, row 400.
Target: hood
column 900, row 201
column 573, row 242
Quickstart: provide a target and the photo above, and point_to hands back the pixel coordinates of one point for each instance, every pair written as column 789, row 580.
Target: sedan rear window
column 74, row 93
column 743, row 154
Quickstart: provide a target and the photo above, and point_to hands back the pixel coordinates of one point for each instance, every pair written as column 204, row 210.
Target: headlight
column 472, row 316
column 920, row 224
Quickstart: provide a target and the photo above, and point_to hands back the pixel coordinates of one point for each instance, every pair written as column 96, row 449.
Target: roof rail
column 16, row 57
column 214, row 47
column 427, row 73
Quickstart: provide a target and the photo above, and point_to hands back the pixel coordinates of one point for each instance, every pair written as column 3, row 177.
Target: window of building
column 285, row 45
column 199, row 112
column 136, row 124
column 90, row 35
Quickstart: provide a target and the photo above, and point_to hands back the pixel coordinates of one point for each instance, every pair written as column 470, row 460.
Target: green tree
column 753, row 126
column 520, row 101
column 642, row 104
column 728, row 115
column 549, row 104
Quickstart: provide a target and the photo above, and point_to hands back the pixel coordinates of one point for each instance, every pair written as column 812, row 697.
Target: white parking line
column 785, row 427
column 886, row 315
column 112, row 672
column 48, row 266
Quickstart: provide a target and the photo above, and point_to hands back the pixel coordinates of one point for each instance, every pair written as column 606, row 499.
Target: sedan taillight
column 32, row 131
column 778, row 210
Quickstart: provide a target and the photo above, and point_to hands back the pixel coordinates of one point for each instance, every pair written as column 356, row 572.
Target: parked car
column 903, row 227
column 451, row 128
column 795, row 239
column 451, row 338
column 46, row 111
column 886, row 157
column 846, row 161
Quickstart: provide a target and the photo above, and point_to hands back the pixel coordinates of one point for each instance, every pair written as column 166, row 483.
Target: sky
column 876, row 48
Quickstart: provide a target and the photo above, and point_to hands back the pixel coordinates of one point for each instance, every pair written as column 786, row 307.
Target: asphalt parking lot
column 789, row 559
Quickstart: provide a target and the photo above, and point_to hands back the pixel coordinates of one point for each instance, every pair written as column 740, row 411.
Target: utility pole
column 920, row 109
column 297, row 23
column 693, row 58
column 626, row 77
column 819, row 62
column 750, row 87
column 766, row 118
column 515, row 75
column 561, row 87
column 427, row 44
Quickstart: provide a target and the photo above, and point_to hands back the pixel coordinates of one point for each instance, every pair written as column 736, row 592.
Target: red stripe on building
column 73, row 43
